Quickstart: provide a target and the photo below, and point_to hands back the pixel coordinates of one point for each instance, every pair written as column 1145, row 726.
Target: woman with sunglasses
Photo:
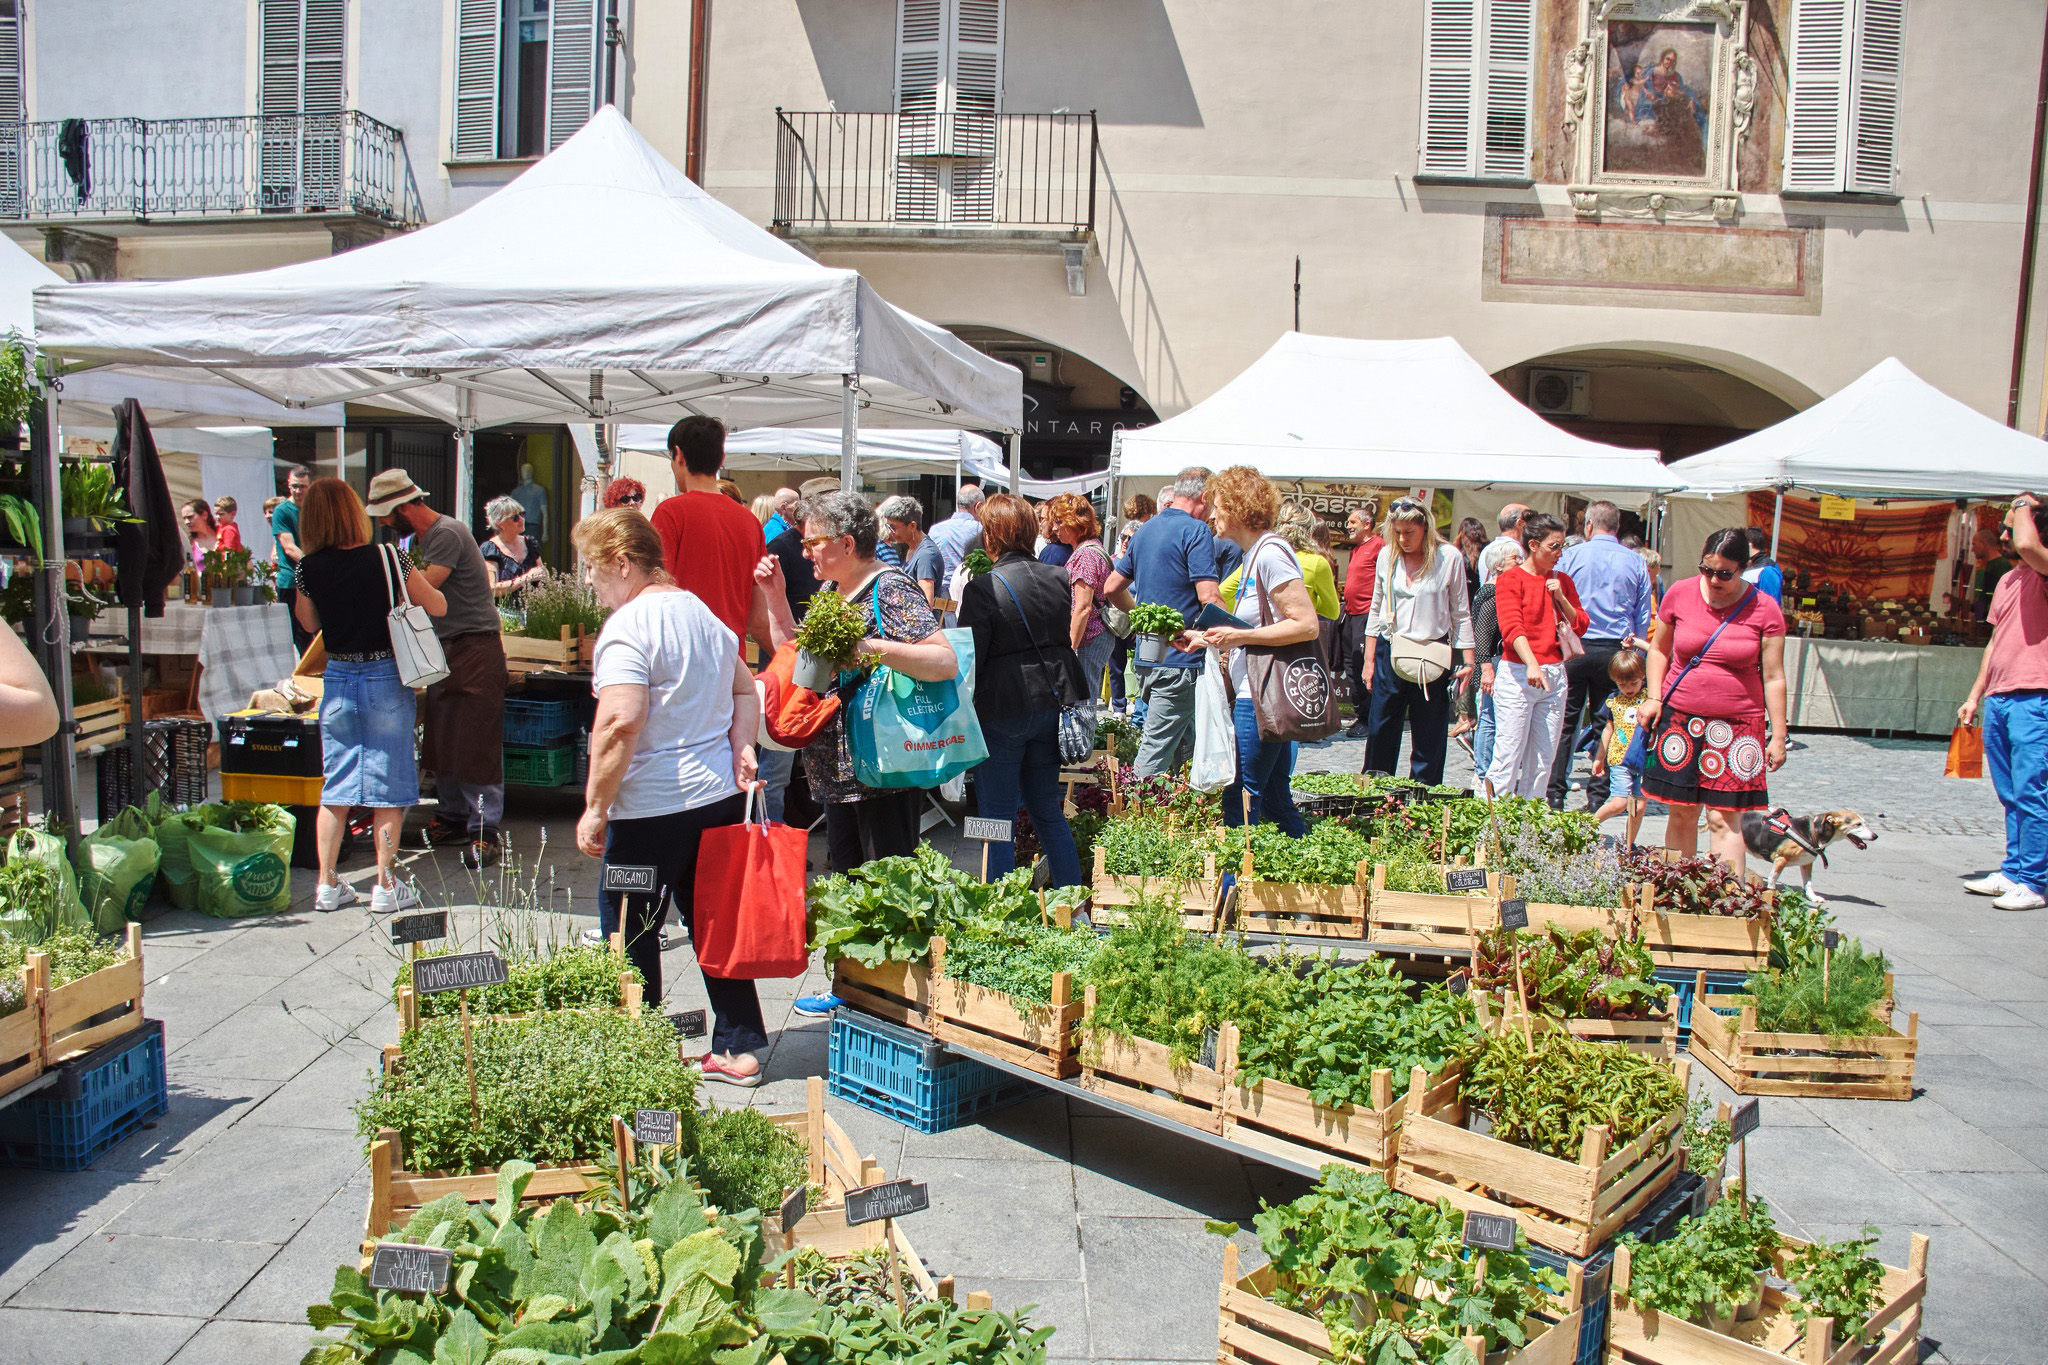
column 1717, row 677
column 512, row 555
column 1528, row 703
column 1420, row 594
column 626, row 493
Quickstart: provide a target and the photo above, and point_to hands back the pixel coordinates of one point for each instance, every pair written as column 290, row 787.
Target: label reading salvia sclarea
column 893, row 1200
column 1490, row 1231
column 410, row 1269
column 457, row 972
column 1465, row 879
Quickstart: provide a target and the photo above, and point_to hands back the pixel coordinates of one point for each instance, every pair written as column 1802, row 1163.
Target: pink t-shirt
column 1729, row 682
column 2019, row 641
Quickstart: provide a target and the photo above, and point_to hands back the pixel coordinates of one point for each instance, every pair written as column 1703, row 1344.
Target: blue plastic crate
column 911, row 1078
column 537, row 722
column 1682, row 982
column 98, row 1100
column 1653, row 1224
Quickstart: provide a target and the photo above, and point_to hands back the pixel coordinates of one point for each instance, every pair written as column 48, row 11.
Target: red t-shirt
column 1729, row 682
column 710, row 545
column 1523, row 606
column 2019, row 638
column 1360, row 575
column 230, row 537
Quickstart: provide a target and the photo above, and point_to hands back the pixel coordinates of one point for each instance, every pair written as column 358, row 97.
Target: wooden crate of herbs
column 1656, row 1036
column 1045, row 1038
column 101, row 724
column 1303, row 909
column 1434, row 921
column 1197, row 898
column 1253, row 1330
column 21, row 1036
column 631, row 994
column 1144, row 1074
column 1675, row 938
column 1643, row 1336
column 96, row 1008
column 1285, row 1121
column 897, row 991
column 1749, row 1061
column 1570, row 1206
column 572, row 650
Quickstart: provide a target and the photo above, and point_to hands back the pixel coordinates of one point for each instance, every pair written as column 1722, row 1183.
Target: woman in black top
column 366, row 712
column 1024, row 673
column 513, row 555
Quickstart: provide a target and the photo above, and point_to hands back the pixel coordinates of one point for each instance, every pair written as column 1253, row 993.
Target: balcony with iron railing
column 109, row 170
column 961, row 177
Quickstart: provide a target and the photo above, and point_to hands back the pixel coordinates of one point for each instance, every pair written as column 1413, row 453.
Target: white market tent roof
column 900, row 453
column 1394, row 413
column 599, row 286
column 1888, row 432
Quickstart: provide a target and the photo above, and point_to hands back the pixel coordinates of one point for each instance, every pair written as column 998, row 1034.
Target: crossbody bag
column 1077, row 719
column 414, row 646
column 1638, row 745
column 1416, row 661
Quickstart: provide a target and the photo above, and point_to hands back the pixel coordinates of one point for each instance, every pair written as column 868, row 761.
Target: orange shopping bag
column 750, row 900
column 1965, row 752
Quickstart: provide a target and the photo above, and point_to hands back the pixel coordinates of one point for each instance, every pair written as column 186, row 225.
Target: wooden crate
column 898, row 991
column 80, row 1015
column 1751, row 1062
column 21, row 1037
column 1424, row 920
column 1253, row 1330
column 101, row 724
column 1707, row 942
column 1285, row 1120
column 1141, row 1073
column 1656, row 1036
column 1642, row 1336
column 573, row 650
column 631, row 995
column 1301, row 909
column 1569, row 1206
column 1044, row 1038
column 1198, row 899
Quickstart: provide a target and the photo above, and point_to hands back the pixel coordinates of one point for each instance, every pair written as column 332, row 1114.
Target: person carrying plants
column 2010, row 696
column 1171, row 562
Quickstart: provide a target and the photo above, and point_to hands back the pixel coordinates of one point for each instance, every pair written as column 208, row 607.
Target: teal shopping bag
column 906, row 733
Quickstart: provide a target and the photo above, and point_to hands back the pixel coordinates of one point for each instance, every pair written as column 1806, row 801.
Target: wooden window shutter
column 13, row 110
column 572, row 67
column 323, row 94
column 1817, row 116
column 479, row 31
column 920, row 103
column 1510, row 88
column 278, row 80
column 1450, row 59
column 1871, row 153
column 976, row 84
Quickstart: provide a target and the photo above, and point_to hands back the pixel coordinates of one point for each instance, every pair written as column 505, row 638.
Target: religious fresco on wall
column 1659, row 97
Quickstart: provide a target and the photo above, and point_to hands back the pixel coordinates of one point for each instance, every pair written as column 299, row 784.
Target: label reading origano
column 892, row 1200
column 420, row 928
column 1465, row 879
column 410, row 1269
column 457, row 972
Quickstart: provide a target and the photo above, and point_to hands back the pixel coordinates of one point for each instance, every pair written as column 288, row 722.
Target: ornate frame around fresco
column 1731, row 103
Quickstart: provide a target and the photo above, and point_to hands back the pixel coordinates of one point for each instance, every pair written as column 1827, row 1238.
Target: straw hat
column 392, row 489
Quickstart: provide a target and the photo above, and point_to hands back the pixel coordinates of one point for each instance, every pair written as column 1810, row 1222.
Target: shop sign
column 1833, row 508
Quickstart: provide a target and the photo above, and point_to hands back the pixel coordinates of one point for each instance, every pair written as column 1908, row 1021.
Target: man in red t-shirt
column 1359, row 577
column 709, row 543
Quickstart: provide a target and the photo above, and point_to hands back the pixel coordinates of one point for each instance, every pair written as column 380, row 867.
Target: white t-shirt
column 1269, row 564
column 671, row 644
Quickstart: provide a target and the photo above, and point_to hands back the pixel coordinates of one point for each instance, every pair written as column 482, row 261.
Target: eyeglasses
column 815, row 541
column 1719, row 575
column 632, row 499
column 517, row 516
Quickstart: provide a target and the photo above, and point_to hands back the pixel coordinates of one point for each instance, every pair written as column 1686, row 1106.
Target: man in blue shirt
column 1171, row 560
column 778, row 520
column 960, row 532
column 1614, row 587
column 1763, row 570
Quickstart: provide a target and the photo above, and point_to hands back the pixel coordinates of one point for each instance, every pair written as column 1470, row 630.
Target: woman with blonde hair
column 346, row 588
column 1421, row 618
column 763, row 508
column 1243, row 508
column 671, row 751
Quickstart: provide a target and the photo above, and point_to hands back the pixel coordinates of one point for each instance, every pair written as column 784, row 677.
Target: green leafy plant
column 1154, row 980
column 977, row 562
column 1020, row 959
column 1709, row 1266
column 17, row 381
column 744, row 1161
column 574, row 977
column 1583, row 975
column 832, row 630
column 1153, row 618
column 1700, row 885
column 557, row 601
column 1328, row 856
column 1839, row 1280
column 1119, row 736
column 1799, row 926
column 24, row 524
column 74, row 952
column 87, row 489
column 888, row 910
column 866, row 1332
column 860, row 1278
column 1336, row 1023
column 1389, row 1276
column 1706, row 1136
column 1840, row 996
column 1544, row 1092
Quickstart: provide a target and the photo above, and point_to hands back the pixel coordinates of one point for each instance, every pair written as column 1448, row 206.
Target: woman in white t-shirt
column 671, row 753
column 1243, row 507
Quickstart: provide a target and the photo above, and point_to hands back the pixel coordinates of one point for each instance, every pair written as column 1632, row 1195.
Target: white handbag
column 414, row 646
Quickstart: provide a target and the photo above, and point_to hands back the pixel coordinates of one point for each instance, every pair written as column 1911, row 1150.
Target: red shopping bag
column 1965, row 752
column 750, row 900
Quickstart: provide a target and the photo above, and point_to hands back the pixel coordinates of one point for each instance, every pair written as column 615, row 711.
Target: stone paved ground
column 204, row 1238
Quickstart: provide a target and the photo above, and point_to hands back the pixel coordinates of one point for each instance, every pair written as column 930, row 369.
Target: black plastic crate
column 174, row 750
column 98, row 1099
column 270, row 746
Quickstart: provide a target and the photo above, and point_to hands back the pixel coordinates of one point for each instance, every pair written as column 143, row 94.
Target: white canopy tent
column 600, row 286
column 1889, row 432
column 1394, row 413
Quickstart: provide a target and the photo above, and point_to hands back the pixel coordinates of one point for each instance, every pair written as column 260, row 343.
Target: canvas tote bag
column 414, row 646
column 1293, row 695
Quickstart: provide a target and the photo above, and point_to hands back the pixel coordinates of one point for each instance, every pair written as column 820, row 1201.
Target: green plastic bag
column 241, row 859
column 34, row 923
column 173, row 833
column 117, row 870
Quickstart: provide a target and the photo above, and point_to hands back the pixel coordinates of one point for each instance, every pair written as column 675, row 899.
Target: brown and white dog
column 1801, row 840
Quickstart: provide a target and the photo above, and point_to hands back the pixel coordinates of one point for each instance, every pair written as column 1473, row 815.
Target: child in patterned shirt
column 1629, row 670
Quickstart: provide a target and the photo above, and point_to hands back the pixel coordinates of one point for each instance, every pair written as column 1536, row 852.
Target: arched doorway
column 1675, row 401
column 1073, row 407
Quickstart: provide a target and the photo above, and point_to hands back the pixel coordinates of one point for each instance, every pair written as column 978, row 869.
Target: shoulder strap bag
column 1077, row 719
column 414, row 646
column 1421, row 662
column 1638, row 744
column 1569, row 645
column 1293, row 695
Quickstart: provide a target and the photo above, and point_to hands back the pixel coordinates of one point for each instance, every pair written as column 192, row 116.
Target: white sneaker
column 594, row 937
column 1997, row 884
column 334, row 897
column 2021, row 898
column 385, row 900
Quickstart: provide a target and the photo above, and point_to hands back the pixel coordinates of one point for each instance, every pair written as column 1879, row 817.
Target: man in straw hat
column 464, row 714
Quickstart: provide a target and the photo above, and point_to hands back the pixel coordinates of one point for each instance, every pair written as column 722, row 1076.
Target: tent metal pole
column 1777, row 520
column 340, row 453
column 465, row 454
column 849, row 436
column 1017, row 463
column 53, row 627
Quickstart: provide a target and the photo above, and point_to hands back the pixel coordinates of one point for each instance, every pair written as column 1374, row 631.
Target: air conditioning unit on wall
column 1561, row 393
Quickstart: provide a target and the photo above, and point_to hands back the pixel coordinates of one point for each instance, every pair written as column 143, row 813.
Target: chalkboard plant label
column 1514, row 914
column 1745, row 1120
column 654, row 1127
column 421, row 928
column 987, row 831
column 795, row 1205
column 893, row 1200
column 410, row 1269
column 1490, row 1231
column 689, row 1024
column 1465, row 879
column 457, row 972
column 630, row 880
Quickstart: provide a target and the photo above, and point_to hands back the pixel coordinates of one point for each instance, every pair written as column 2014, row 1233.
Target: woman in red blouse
column 1528, row 698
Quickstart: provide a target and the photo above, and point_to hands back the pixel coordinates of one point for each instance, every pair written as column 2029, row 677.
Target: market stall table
column 240, row 650
column 1876, row 684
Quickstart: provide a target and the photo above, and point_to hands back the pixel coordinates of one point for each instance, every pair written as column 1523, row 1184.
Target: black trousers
column 882, row 825
column 1351, row 643
column 1426, row 713
column 1587, row 688
column 668, row 843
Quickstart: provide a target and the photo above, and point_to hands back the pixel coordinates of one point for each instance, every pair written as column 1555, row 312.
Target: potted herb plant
column 83, row 609
column 977, row 562
column 1155, row 626
column 213, row 576
column 828, row 640
column 242, row 578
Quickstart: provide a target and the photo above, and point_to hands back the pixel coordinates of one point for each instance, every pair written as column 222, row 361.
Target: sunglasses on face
column 815, row 541
column 632, row 499
column 1719, row 575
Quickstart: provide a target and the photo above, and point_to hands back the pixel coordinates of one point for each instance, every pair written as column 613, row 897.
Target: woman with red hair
column 626, row 493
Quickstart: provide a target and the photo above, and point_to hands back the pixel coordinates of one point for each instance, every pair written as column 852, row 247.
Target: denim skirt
column 366, row 736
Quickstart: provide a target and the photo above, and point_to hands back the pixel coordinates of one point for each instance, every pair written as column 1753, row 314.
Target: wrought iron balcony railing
column 963, row 171
column 142, row 170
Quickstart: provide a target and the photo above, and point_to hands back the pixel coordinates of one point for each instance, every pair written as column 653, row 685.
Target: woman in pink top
column 1706, row 740
column 2012, row 691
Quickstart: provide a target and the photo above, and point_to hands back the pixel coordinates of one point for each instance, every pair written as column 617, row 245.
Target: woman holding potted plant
column 839, row 537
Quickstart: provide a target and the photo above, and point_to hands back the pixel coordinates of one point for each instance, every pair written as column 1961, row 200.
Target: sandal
column 716, row 1070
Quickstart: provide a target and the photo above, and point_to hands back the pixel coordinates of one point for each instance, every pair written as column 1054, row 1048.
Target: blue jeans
column 366, row 737
column 776, row 768
column 1265, row 769
column 2016, row 748
column 1482, row 738
column 1023, row 768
